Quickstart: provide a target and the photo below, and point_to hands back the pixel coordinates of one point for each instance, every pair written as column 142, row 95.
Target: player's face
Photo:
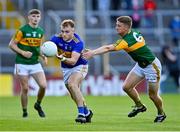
column 121, row 28
column 67, row 33
column 34, row 19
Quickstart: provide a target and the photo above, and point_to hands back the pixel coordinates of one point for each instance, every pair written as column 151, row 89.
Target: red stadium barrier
column 92, row 85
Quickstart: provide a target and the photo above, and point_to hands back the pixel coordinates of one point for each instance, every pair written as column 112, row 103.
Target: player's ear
column 73, row 29
column 29, row 17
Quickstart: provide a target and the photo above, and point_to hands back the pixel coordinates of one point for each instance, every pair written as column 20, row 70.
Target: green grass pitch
column 110, row 114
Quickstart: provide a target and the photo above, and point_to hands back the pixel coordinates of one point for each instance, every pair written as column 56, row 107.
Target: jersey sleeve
column 120, row 44
column 78, row 47
column 18, row 36
column 54, row 39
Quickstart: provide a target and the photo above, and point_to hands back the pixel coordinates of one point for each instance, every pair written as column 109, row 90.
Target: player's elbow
column 73, row 62
column 10, row 46
column 108, row 48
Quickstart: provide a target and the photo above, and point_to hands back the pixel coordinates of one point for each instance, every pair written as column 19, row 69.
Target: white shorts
column 152, row 72
column 83, row 69
column 23, row 69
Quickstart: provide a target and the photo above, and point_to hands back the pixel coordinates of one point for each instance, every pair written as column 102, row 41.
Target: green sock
column 160, row 112
column 39, row 102
column 138, row 104
column 24, row 110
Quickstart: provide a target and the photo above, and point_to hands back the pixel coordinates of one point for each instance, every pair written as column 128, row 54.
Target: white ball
column 49, row 48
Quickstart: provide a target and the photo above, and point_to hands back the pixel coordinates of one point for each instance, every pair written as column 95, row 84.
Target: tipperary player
column 74, row 67
column 26, row 44
column 148, row 66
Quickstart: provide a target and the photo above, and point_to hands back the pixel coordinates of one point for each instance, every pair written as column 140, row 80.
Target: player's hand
column 88, row 54
column 85, row 50
column 27, row 54
column 45, row 59
column 61, row 57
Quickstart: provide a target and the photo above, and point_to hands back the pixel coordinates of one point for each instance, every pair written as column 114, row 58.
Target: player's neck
column 69, row 40
column 127, row 32
column 33, row 25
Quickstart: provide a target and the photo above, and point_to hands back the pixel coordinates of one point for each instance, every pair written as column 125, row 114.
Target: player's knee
column 152, row 95
column 126, row 88
column 24, row 90
column 71, row 84
column 43, row 85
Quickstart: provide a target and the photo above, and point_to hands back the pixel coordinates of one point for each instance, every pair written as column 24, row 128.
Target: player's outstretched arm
column 101, row 50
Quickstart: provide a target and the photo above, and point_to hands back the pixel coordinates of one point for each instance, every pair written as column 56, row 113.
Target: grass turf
column 110, row 114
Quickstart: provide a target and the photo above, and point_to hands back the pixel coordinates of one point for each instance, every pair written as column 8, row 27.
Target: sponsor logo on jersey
column 34, row 34
column 28, row 34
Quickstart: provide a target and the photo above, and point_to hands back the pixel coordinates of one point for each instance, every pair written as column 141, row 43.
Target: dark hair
column 127, row 20
column 34, row 11
column 68, row 22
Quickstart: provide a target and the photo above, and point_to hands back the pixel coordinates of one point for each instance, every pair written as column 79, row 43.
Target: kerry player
column 147, row 66
column 26, row 44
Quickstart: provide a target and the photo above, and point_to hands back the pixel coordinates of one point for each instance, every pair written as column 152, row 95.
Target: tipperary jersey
column 134, row 44
column 29, row 39
column 66, row 48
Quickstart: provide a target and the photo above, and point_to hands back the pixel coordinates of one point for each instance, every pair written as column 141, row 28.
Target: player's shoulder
column 77, row 39
column 40, row 29
column 23, row 27
column 58, row 35
column 130, row 35
column 135, row 31
column 27, row 27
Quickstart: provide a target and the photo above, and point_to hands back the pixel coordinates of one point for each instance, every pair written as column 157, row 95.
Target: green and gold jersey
column 134, row 44
column 29, row 39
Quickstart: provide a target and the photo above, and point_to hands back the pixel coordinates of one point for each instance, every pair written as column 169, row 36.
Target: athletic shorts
column 67, row 72
column 22, row 69
column 152, row 72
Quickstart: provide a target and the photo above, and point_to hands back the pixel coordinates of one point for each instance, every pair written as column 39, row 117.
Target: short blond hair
column 68, row 22
column 127, row 20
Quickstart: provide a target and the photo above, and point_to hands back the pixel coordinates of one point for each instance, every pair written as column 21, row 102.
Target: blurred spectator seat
column 175, row 29
column 149, row 7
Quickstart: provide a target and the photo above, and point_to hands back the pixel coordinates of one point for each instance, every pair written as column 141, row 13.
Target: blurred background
column 158, row 21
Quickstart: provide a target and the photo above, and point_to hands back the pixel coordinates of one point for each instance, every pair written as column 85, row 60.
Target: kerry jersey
column 134, row 44
column 29, row 39
column 66, row 48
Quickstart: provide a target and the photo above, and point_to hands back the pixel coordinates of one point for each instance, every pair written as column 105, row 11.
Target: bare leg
column 24, row 90
column 74, row 89
column 129, row 87
column 74, row 82
column 41, row 81
column 24, row 93
column 154, row 96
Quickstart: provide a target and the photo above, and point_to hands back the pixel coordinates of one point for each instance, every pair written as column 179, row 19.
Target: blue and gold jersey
column 66, row 48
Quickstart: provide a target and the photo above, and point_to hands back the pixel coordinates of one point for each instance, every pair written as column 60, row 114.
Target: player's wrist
column 63, row 59
column 93, row 53
column 42, row 55
column 22, row 52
